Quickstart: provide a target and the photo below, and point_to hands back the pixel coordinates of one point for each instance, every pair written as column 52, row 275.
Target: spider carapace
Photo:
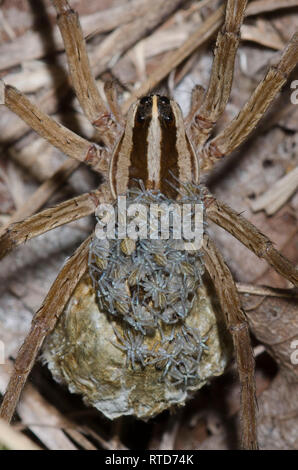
column 154, row 148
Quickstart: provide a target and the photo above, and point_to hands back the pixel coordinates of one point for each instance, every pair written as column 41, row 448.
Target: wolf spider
column 108, row 120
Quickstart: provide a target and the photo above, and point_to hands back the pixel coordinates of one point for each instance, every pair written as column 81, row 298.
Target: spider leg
column 219, row 88
column 238, row 327
column 82, row 78
column 46, row 220
column 249, row 235
column 249, row 116
column 43, row 323
column 64, row 139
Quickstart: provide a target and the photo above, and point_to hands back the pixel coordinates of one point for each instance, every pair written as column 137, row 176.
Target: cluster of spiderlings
column 148, row 285
column 179, row 355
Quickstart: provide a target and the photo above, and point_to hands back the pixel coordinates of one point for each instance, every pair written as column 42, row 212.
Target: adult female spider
column 169, row 148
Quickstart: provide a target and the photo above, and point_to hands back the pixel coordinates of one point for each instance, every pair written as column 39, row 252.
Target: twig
column 204, row 32
column 273, row 199
column 261, row 6
column 29, row 46
column 14, row 440
column 201, row 35
column 266, row 291
column 127, row 35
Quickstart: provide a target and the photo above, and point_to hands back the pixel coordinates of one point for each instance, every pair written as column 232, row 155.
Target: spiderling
column 149, row 285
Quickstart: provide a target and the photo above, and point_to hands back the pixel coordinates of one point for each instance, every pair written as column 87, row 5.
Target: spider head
column 154, row 148
column 155, row 108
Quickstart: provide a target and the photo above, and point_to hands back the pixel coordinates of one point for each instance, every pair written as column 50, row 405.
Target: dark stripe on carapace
column 169, row 153
column 138, row 169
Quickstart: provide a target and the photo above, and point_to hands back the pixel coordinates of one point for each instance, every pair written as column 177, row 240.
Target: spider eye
column 140, row 117
column 164, row 100
column 145, row 100
column 165, row 109
column 168, row 117
column 144, row 108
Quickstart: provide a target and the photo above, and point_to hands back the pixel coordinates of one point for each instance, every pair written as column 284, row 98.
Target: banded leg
column 238, row 327
column 240, row 127
column 63, row 213
column 249, row 235
column 43, row 323
column 82, row 79
column 219, row 88
column 65, row 140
